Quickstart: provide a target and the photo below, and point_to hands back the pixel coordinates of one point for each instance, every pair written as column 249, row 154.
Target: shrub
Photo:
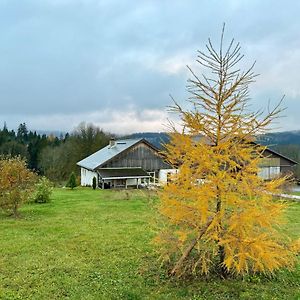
column 16, row 184
column 72, row 181
column 43, row 191
column 94, row 183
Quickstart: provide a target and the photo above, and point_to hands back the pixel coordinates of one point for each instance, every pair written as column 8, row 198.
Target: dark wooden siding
column 286, row 169
column 269, row 154
column 286, row 166
column 140, row 155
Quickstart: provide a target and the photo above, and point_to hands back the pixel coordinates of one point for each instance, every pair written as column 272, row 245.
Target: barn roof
column 103, row 155
column 293, row 162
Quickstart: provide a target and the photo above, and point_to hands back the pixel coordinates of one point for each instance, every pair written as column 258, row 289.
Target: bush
column 72, row 181
column 94, row 183
column 43, row 191
column 16, row 184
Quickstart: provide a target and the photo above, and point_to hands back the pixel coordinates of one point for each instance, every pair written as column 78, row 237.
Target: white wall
column 264, row 172
column 163, row 175
column 132, row 181
column 87, row 177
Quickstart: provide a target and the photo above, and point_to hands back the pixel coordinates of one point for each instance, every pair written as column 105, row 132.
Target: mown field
column 89, row 244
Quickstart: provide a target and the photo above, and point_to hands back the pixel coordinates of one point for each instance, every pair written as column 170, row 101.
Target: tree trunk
column 15, row 210
column 189, row 249
column 221, row 268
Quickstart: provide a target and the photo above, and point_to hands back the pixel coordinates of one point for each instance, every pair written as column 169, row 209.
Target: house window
column 269, row 167
column 269, row 172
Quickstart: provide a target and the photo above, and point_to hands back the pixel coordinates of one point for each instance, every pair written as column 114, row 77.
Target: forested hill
column 280, row 138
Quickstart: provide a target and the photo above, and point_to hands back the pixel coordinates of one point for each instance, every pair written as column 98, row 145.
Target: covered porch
column 122, row 178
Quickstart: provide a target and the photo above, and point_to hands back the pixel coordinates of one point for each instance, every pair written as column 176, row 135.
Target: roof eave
column 277, row 153
column 126, row 177
column 85, row 167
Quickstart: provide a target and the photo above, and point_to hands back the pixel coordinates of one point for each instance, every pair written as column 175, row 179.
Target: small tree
column 218, row 212
column 94, row 183
column 72, row 181
column 43, row 191
column 16, row 184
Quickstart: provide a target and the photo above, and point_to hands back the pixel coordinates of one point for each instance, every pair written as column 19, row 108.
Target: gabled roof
column 293, row 162
column 107, row 153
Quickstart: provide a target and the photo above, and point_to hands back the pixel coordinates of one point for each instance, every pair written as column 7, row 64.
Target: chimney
column 112, row 143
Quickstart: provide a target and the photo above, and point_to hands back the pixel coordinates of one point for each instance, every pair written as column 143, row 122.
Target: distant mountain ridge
column 280, row 138
column 155, row 138
column 159, row 138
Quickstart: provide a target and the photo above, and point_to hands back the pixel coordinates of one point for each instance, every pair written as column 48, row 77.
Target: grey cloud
column 76, row 56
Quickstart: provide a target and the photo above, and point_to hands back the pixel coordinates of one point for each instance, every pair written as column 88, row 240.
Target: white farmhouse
column 125, row 163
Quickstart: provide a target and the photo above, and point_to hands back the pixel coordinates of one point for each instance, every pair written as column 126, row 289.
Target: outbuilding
column 274, row 164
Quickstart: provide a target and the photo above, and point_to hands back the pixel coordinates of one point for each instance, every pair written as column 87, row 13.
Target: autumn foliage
column 218, row 214
column 16, row 184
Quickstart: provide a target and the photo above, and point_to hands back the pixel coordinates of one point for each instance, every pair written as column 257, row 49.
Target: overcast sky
column 114, row 63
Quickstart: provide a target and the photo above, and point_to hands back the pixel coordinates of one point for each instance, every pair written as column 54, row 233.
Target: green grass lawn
column 89, row 244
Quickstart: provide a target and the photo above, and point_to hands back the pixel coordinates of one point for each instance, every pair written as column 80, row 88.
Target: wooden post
column 125, row 183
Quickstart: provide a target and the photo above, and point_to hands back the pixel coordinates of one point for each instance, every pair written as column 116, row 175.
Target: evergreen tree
column 5, row 127
column 94, row 183
column 22, row 133
column 72, row 181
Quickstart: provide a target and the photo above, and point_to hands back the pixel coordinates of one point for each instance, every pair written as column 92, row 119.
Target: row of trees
column 57, row 162
column 54, row 157
column 24, row 143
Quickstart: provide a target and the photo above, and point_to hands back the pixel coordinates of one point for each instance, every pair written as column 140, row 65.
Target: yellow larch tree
column 218, row 213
